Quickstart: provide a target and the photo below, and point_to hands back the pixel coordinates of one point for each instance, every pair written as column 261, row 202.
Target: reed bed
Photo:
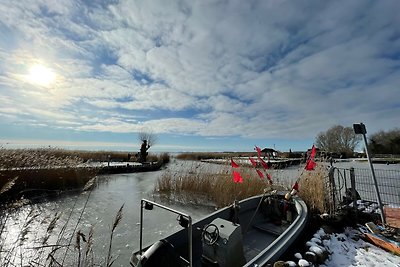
column 200, row 184
column 39, row 158
column 313, row 189
column 56, row 157
column 32, row 182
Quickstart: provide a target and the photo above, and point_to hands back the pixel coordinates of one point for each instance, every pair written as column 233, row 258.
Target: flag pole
column 302, row 171
column 235, row 205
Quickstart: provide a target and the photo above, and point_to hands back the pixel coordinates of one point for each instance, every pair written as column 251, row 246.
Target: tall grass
column 57, row 157
column 313, row 189
column 200, row 184
column 40, row 157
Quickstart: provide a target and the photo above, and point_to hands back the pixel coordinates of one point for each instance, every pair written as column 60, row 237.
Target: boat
column 252, row 232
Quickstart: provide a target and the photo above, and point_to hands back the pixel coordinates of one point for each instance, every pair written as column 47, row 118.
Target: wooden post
column 333, row 187
column 353, row 188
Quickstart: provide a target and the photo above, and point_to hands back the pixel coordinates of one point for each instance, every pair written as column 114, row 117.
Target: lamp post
column 359, row 128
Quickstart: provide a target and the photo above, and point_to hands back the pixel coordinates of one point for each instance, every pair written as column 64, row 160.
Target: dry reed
column 117, row 220
column 313, row 189
column 198, row 184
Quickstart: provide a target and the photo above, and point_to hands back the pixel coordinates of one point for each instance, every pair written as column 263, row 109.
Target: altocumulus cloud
column 259, row 69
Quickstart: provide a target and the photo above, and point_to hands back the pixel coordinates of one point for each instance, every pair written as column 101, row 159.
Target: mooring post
column 359, row 128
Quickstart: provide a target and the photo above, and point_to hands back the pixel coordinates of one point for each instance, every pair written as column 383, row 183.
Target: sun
column 41, row 75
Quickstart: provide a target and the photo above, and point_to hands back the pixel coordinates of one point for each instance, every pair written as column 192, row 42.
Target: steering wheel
column 210, row 234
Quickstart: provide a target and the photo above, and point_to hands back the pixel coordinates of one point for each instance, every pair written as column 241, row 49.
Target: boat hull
column 265, row 238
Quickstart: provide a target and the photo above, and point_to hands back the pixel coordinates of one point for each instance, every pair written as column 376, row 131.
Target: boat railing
column 184, row 220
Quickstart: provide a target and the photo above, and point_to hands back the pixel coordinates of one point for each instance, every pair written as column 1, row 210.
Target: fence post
column 332, row 187
column 353, row 188
column 361, row 129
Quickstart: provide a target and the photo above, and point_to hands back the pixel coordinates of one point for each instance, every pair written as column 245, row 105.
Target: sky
column 200, row 75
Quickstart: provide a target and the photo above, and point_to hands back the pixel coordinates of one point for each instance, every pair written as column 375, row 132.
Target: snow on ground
column 112, row 164
column 347, row 249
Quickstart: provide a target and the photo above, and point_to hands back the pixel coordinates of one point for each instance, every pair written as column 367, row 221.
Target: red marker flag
column 253, row 162
column 237, row 178
column 258, row 151
column 234, row 164
column 313, row 152
column 260, row 174
column 310, row 165
column 263, row 163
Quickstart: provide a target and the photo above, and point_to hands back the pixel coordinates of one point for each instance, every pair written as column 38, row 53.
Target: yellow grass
column 313, row 189
column 198, row 184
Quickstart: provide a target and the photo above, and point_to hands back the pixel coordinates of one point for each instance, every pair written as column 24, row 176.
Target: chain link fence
column 341, row 182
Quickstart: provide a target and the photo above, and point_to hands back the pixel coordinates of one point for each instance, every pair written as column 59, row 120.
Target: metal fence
column 341, row 180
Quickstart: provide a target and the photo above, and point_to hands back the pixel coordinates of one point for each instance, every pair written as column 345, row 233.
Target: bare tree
column 149, row 136
column 148, row 140
column 338, row 139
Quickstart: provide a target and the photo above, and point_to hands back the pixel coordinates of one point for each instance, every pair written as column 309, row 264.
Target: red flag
column 258, row 151
column 260, row 174
column 234, row 164
column 313, row 152
column 310, row 165
column 237, row 178
column 263, row 163
column 269, row 178
column 253, row 162
column 296, row 186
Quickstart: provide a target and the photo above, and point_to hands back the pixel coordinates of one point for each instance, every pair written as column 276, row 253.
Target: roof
column 268, row 150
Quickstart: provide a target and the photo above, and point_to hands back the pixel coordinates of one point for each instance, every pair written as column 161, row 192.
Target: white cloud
column 261, row 70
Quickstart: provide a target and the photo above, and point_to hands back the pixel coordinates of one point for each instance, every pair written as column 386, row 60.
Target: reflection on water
column 29, row 230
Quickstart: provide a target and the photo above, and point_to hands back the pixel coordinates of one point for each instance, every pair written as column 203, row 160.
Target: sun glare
column 41, row 75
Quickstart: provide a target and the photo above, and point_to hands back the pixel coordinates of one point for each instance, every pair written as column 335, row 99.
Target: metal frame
column 190, row 228
column 359, row 128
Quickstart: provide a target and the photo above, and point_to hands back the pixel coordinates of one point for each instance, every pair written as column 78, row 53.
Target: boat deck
column 255, row 240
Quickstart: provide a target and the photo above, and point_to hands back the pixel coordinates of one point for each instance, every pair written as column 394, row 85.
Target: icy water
column 27, row 233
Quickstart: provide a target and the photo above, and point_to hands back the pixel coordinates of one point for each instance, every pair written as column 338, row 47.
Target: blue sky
column 201, row 75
